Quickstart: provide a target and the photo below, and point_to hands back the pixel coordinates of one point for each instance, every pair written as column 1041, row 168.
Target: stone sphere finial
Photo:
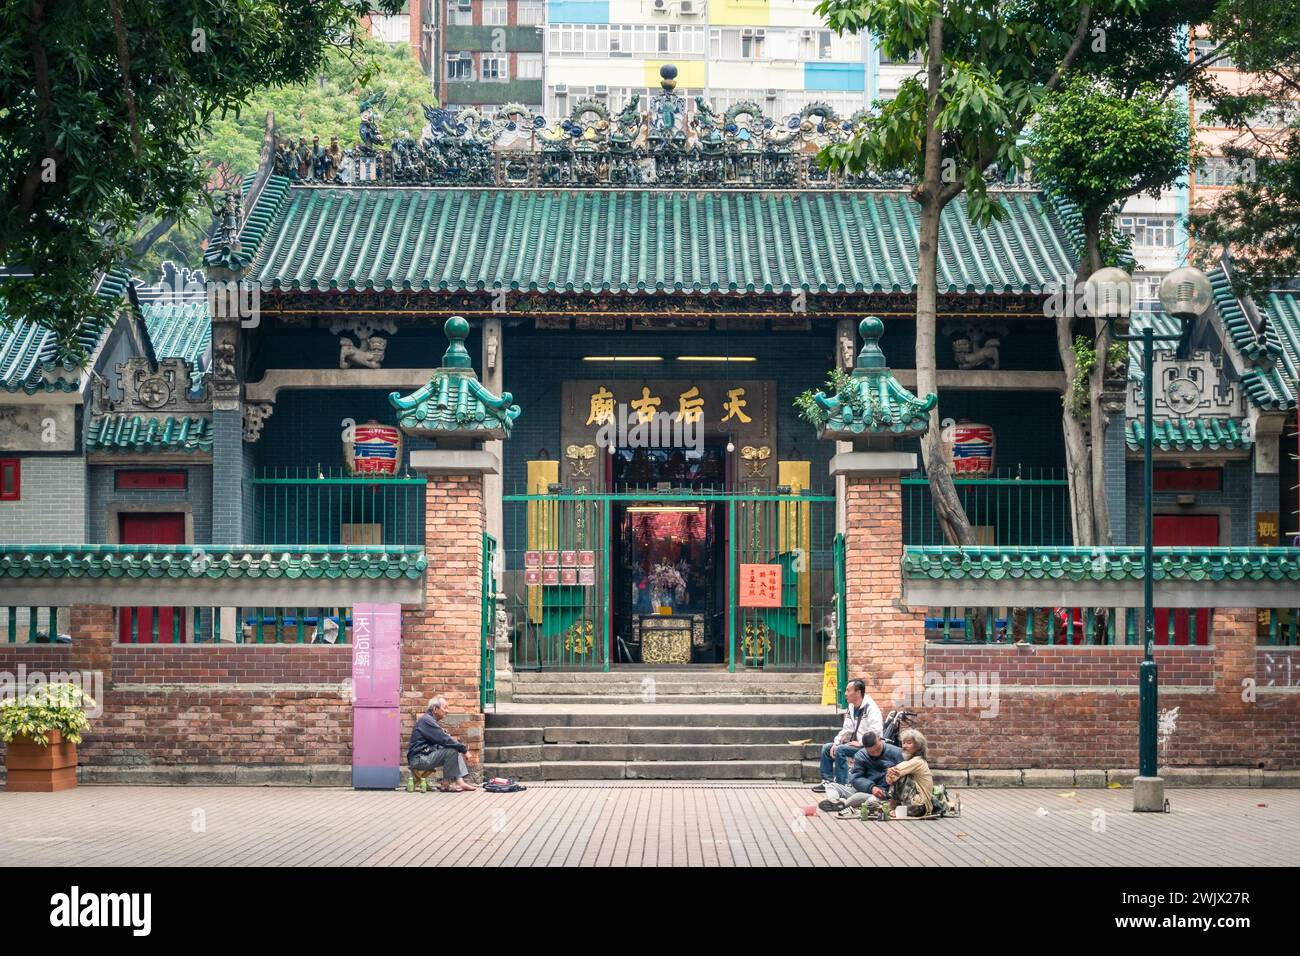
column 668, row 76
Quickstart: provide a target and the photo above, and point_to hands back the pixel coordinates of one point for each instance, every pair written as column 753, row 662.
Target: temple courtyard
column 636, row 824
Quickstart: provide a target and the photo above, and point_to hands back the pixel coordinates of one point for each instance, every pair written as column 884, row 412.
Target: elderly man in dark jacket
column 867, row 782
column 432, row 747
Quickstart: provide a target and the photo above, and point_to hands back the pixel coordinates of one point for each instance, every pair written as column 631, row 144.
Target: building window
column 496, row 66
column 494, row 13
column 460, row 66
column 529, row 66
column 1149, row 232
column 531, row 13
column 459, row 13
column 11, row 479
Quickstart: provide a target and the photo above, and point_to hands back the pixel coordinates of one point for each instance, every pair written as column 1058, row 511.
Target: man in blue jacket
column 432, row 747
column 866, row 777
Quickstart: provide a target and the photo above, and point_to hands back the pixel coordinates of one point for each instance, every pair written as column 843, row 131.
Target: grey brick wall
column 1236, row 496
column 53, row 505
column 1115, row 477
column 227, row 477
column 102, row 494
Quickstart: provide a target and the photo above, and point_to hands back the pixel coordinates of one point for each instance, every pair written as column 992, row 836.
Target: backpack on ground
column 503, row 785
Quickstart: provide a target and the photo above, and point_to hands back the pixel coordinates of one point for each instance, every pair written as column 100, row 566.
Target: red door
column 1184, row 531
column 164, row 528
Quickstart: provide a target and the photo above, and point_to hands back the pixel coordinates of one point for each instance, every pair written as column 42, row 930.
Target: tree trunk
column 943, row 492
column 1078, row 466
column 1101, row 536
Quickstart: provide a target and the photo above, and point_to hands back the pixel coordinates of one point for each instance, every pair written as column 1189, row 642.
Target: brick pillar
column 885, row 637
column 441, row 640
column 1232, row 631
column 93, row 628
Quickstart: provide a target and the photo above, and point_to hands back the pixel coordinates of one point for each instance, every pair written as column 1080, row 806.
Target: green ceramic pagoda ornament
column 454, row 407
column 872, row 401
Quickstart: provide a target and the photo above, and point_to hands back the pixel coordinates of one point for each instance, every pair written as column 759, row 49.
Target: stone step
column 648, row 753
column 667, row 715
column 535, row 736
column 758, row 770
column 635, row 697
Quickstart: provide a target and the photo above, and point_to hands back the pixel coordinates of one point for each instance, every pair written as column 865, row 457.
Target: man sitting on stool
column 432, row 747
column 862, row 718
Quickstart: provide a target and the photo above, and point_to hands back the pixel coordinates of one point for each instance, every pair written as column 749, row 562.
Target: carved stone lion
column 353, row 356
column 969, row 357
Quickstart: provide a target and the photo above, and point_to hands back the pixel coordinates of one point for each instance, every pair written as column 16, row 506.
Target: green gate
column 771, row 582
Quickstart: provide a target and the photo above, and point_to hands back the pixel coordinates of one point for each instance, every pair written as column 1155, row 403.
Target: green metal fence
column 841, row 624
column 487, row 642
column 1065, row 626
column 314, row 506
column 1279, row 627
column 574, row 598
column 32, row 625
column 251, row 625
column 1028, row 508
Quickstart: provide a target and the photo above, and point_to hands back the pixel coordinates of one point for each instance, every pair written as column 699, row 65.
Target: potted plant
column 41, row 731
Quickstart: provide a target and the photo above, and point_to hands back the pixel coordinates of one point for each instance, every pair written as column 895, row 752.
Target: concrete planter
column 31, row 768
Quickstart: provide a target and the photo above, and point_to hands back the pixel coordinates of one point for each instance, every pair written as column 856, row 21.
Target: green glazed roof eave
column 641, row 240
column 137, row 433
column 1271, row 359
column 1204, row 565
column 216, row 562
column 1195, row 434
column 30, row 358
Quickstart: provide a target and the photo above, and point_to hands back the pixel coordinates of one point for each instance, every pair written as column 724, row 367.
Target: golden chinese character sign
column 659, row 413
column 760, row 585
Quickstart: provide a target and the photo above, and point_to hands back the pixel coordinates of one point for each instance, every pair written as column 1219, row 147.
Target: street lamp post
column 1185, row 294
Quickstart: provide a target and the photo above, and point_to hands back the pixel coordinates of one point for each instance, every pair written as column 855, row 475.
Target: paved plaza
column 633, row 824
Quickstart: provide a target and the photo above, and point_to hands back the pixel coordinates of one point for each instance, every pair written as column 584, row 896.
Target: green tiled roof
column 254, row 226
column 1101, row 564
column 1272, row 367
column 454, row 403
column 136, row 433
column 30, row 357
column 1283, row 310
column 179, row 330
column 629, row 240
column 216, row 561
column 1196, row 434
column 873, row 400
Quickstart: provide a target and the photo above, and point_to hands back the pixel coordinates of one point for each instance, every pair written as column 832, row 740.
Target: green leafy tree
column 106, row 105
column 328, row 104
column 1257, row 220
column 987, row 66
column 1096, row 144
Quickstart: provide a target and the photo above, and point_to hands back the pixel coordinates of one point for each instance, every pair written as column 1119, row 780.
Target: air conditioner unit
column 760, row 32
column 805, row 34
column 661, row 6
column 600, row 89
column 747, row 32
column 771, row 94
column 687, row 8
column 561, row 89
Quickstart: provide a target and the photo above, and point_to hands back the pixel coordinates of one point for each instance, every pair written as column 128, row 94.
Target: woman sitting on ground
column 432, row 747
column 911, row 784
